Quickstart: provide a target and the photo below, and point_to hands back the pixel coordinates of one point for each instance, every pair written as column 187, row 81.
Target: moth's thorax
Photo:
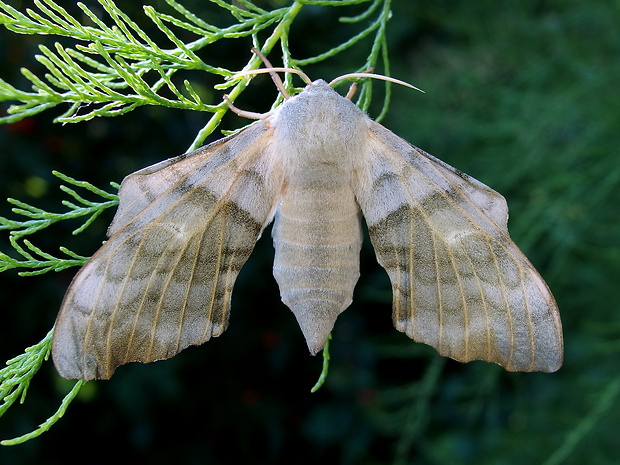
column 319, row 126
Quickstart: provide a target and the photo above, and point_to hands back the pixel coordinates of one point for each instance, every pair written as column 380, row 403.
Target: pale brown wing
column 163, row 281
column 460, row 283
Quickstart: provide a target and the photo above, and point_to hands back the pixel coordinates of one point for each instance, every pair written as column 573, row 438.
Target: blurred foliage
column 522, row 96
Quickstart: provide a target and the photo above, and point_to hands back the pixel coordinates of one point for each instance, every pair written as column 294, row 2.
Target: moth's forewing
column 460, row 283
column 163, row 280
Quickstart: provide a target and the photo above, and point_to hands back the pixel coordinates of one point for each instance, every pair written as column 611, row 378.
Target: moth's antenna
column 274, row 76
column 272, row 71
column 355, row 84
column 276, row 69
column 374, row 76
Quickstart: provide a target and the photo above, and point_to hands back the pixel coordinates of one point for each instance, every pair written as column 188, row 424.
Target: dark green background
column 521, row 95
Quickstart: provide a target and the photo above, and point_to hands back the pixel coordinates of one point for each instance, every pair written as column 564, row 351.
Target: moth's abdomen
column 317, row 237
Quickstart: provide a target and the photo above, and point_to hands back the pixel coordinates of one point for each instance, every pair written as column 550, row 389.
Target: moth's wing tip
column 72, row 362
column 69, row 368
column 555, row 367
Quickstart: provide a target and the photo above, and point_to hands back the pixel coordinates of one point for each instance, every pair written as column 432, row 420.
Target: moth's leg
column 245, row 113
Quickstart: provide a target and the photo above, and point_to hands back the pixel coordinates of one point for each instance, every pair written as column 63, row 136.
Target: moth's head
column 317, row 88
column 318, row 105
column 319, row 85
column 318, row 102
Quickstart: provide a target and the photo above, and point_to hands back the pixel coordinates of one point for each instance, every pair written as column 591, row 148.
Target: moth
column 314, row 165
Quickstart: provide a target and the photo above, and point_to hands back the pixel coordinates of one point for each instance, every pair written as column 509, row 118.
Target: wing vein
column 117, row 305
column 485, row 308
